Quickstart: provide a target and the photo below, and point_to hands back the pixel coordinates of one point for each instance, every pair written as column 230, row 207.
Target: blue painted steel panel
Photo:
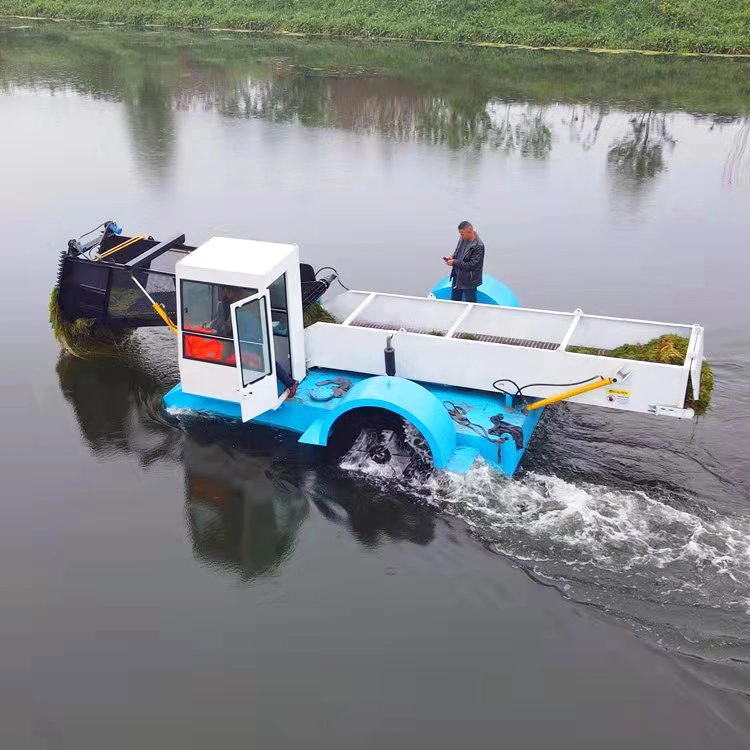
column 462, row 459
column 415, row 403
column 177, row 401
column 422, row 404
column 491, row 292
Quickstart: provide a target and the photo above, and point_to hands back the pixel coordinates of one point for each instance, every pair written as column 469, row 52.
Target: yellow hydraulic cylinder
column 161, row 312
column 119, row 247
column 158, row 309
column 569, row 394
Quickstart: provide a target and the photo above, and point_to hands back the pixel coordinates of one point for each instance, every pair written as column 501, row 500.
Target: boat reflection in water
column 248, row 490
column 242, row 517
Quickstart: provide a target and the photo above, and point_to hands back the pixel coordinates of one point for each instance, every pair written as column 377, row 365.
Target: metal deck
column 380, row 326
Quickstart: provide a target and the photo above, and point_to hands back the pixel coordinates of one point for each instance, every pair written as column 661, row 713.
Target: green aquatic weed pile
column 316, row 313
column 669, row 349
column 122, row 300
column 81, row 337
column 674, row 25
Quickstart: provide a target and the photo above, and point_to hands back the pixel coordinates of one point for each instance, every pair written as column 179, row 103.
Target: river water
column 184, row 585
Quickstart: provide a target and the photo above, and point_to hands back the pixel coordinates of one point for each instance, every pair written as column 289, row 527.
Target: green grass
column 719, row 26
column 81, row 337
column 316, row 313
column 667, row 350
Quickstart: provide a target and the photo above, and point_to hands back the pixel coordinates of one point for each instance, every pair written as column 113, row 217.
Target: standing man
column 466, row 264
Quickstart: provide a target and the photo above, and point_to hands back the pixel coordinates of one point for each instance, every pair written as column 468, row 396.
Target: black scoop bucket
column 100, row 287
column 103, row 291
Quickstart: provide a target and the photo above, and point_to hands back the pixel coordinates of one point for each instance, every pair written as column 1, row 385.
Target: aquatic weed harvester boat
column 472, row 378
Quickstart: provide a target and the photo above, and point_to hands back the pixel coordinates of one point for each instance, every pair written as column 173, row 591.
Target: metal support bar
column 158, row 309
column 117, row 248
column 461, row 318
column 155, row 252
column 359, row 309
column 577, row 315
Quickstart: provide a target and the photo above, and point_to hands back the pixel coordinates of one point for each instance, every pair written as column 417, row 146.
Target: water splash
column 678, row 572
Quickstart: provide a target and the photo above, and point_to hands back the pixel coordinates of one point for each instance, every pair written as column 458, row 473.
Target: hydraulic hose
column 568, row 394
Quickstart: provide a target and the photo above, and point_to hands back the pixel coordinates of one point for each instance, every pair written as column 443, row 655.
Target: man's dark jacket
column 468, row 261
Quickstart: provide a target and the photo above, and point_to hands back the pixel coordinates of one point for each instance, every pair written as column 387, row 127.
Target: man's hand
column 293, row 389
column 449, row 261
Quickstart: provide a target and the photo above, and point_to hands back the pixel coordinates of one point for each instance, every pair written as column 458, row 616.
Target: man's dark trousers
column 467, row 295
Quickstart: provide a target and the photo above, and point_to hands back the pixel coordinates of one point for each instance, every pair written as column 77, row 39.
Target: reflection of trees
column 393, row 109
column 585, row 122
column 150, row 114
column 145, row 81
column 526, row 132
column 459, row 124
column 737, row 165
column 639, row 155
column 443, row 97
column 533, row 135
column 152, row 83
column 283, row 99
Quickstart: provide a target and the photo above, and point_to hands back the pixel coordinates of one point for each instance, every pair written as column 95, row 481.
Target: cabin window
column 280, row 323
column 252, row 333
column 206, row 321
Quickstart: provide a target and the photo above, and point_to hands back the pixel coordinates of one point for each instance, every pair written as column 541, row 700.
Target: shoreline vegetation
column 705, row 27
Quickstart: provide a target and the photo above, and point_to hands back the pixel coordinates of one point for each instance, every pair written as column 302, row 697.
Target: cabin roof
column 238, row 256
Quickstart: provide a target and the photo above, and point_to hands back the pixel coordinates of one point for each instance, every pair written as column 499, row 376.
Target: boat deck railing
column 549, row 330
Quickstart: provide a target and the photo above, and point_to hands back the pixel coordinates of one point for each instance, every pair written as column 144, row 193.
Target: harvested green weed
column 669, row 349
column 316, row 313
column 82, row 337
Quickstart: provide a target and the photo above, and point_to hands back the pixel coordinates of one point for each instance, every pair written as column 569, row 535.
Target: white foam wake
column 629, row 551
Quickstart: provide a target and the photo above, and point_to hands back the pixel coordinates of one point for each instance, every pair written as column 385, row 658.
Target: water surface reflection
column 517, row 102
column 189, row 556
column 247, row 492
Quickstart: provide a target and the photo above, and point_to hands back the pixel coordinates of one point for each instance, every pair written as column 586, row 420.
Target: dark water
column 194, row 584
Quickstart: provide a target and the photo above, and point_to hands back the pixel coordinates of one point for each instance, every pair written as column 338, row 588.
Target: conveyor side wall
column 477, row 364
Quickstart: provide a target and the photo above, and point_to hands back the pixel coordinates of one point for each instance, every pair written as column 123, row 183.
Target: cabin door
column 255, row 361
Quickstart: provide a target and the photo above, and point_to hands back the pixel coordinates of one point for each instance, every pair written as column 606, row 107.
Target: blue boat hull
column 454, row 444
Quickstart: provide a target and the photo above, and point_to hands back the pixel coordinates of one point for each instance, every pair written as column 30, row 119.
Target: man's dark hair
column 464, row 225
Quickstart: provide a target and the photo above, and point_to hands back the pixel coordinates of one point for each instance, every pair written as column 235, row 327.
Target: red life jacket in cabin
column 211, row 350
column 199, row 347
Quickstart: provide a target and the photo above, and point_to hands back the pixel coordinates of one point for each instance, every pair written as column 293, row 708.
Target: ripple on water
column 677, row 571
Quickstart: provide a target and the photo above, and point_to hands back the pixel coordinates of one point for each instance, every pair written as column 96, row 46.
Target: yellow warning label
column 618, row 392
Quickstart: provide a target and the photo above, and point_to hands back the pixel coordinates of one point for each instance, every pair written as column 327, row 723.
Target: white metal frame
column 447, row 359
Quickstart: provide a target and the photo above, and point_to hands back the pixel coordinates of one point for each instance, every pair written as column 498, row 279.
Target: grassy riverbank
column 671, row 25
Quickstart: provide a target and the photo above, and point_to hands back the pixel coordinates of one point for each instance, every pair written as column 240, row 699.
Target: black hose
column 91, row 231
column 520, row 389
column 331, row 268
column 518, row 397
column 458, row 414
column 507, row 380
